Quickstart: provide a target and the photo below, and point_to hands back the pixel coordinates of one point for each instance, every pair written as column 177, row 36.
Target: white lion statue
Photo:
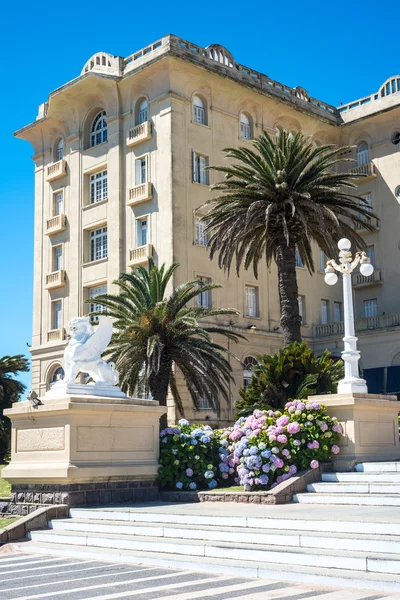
column 83, row 353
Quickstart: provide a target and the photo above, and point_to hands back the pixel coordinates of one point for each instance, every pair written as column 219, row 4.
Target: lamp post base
column 352, row 385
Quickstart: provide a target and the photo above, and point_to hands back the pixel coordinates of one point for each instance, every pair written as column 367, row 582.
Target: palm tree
column 10, row 391
column 276, row 198
column 155, row 335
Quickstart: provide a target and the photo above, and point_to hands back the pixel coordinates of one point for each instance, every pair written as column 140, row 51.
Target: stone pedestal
column 81, row 450
column 370, row 427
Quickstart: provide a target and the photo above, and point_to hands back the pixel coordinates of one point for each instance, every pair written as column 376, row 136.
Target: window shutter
column 202, row 166
column 198, row 232
column 138, row 174
column 194, row 173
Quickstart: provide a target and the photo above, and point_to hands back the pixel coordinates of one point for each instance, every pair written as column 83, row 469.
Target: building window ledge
column 87, row 206
column 95, row 262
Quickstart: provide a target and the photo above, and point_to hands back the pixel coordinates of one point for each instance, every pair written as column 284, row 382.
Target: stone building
column 119, row 155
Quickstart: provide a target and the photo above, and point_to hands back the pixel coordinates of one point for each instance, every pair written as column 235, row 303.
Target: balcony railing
column 139, row 256
column 56, row 335
column 140, row 193
column 371, row 221
column 374, row 279
column 140, row 133
column 55, row 279
column 365, row 324
column 366, row 171
column 56, row 170
column 56, row 224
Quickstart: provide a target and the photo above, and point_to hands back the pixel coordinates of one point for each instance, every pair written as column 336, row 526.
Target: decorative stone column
column 370, row 427
column 83, row 449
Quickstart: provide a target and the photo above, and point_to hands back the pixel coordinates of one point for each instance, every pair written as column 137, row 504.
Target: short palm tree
column 277, row 197
column 10, row 391
column 156, row 334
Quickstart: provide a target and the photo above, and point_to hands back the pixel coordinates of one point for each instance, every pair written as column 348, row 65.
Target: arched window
column 57, row 375
column 59, row 150
column 199, row 111
column 245, row 127
column 98, row 131
column 362, row 154
column 142, row 116
column 248, row 364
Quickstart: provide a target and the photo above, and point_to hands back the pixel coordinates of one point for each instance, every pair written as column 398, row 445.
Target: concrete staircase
column 350, row 546
column 372, row 484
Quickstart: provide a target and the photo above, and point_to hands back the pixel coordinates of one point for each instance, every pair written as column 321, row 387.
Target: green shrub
column 295, row 372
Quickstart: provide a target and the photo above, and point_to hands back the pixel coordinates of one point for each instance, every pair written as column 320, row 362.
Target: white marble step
column 378, row 467
column 350, row 498
column 153, row 519
column 346, row 578
column 325, row 558
column 282, row 537
column 354, row 488
column 361, row 477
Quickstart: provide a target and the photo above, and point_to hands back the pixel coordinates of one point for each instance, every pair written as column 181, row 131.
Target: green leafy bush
column 295, row 372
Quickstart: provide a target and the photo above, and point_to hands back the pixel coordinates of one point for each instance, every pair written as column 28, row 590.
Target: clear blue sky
column 337, row 51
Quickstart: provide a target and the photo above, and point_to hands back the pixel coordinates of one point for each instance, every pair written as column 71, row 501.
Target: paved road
column 31, row 577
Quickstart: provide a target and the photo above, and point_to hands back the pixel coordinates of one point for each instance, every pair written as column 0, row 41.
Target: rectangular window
column 337, row 312
column 57, row 315
column 251, row 301
column 98, row 187
column 141, row 170
column 57, row 258
column 201, row 236
column 204, row 298
column 200, row 175
column 371, row 254
column 299, row 262
column 245, row 131
column 322, row 260
column 371, row 308
column 324, row 312
column 93, row 306
column 366, row 203
column 58, row 203
column 302, row 308
column 142, row 232
column 98, row 244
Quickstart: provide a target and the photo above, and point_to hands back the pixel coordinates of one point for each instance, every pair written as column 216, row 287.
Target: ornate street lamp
column 352, row 383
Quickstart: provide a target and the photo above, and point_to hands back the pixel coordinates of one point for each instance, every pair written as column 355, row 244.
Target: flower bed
column 258, row 452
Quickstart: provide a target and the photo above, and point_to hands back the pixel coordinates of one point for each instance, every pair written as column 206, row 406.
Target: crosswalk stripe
column 15, row 556
column 23, row 563
column 245, row 585
column 169, row 586
column 86, row 578
column 34, row 574
column 111, row 584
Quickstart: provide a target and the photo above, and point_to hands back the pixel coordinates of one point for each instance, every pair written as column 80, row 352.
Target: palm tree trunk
column 158, row 384
column 288, row 292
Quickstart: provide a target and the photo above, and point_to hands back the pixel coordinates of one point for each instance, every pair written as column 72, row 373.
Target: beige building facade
column 119, row 157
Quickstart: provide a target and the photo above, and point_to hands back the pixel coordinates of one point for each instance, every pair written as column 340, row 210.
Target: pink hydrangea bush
column 269, row 447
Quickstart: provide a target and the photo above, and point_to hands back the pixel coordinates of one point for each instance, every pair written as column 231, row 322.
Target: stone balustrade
column 366, row 171
column 55, row 279
column 365, row 324
column 140, row 193
column 56, row 335
column 374, row 279
column 56, row 170
column 139, row 255
column 56, row 224
column 138, row 134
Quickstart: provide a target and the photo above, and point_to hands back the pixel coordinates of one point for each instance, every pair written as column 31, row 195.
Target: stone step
column 300, row 539
column 146, row 517
column 354, row 488
column 361, row 477
column 377, row 467
column 346, row 578
column 350, row 498
column 289, row 555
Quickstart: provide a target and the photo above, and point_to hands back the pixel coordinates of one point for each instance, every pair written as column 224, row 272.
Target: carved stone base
column 84, row 450
column 369, row 424
column 60, row 389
